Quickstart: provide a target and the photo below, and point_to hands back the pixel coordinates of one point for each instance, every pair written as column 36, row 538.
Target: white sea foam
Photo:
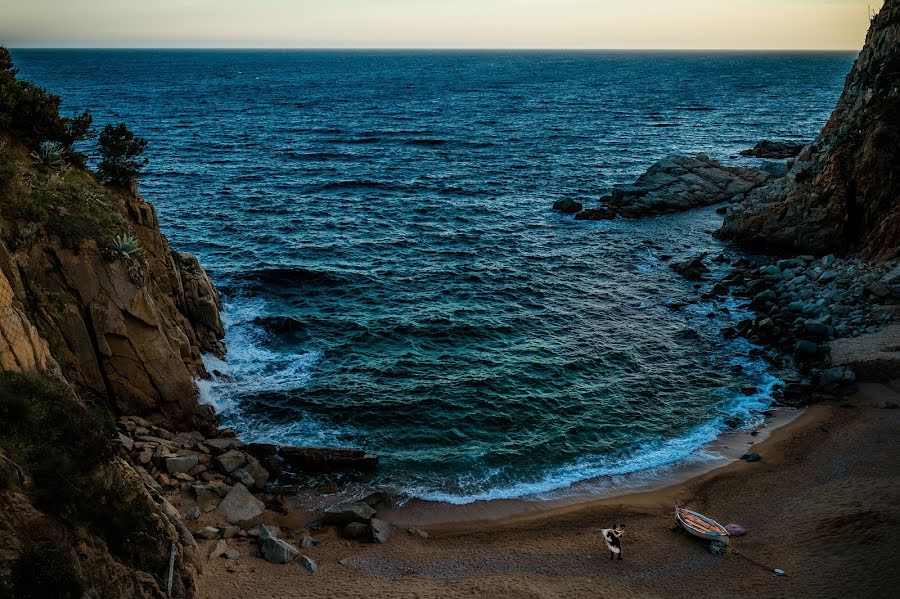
column 250, row 368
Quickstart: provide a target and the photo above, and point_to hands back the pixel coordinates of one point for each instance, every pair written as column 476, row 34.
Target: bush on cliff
column 54, row 437
column 121, row 151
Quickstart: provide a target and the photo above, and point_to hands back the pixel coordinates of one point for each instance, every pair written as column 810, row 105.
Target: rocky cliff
column 843, row 192
column 99, row 317
column 126, row 328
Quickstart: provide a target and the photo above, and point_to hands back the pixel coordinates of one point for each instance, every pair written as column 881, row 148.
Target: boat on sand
column 701, row 526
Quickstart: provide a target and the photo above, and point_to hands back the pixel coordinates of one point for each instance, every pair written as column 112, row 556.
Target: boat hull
column 720, row 536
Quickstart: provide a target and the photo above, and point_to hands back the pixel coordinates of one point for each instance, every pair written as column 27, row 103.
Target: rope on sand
column 775, row 571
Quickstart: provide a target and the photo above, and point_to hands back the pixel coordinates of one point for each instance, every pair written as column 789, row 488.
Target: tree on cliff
column 31, row 113
column 120, row 150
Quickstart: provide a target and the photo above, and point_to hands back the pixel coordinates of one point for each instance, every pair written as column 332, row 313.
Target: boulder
column 276, row 550
column 230, row 461
column 209, row 495
column 207, row 532
column 835, row 378
column 691, row 269
column 567, row 206
column 873, row 357
column 222, row 444
column 181, row 464
column 341, row 515
column 381, row 530
column 735, row 530
column 751, row 457
column 308, row 564
column 241, row 508
column 252, row 472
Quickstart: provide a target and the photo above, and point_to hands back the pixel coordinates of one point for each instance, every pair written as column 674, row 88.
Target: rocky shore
column 825, row 281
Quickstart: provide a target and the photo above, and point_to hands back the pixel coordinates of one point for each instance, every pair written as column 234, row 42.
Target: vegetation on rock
column 121, row 152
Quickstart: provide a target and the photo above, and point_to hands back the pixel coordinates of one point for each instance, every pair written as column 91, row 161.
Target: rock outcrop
column 843, row 192
column 774, row 150
column 680, row 183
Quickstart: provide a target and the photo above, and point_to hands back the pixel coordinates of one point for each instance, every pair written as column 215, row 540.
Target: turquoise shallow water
column 379, row 225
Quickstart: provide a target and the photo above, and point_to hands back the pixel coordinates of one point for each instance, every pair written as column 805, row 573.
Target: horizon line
column 431, row 48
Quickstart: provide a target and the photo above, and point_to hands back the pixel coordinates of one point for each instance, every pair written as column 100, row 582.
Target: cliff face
column 126, row 329
column 843, row 193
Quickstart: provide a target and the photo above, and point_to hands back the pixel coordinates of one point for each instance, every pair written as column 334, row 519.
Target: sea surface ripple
column 379, row 225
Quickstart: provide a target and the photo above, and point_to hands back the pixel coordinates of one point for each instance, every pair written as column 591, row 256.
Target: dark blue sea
column 379, row 225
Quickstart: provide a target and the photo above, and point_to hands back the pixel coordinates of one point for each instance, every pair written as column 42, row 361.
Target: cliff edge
column 843, row 192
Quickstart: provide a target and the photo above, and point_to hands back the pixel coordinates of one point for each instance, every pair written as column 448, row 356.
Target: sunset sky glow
column 601, row 24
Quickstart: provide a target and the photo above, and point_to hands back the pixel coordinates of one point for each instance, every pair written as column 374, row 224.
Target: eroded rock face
column 680, row 183
column 126, row 329
column 843, row 192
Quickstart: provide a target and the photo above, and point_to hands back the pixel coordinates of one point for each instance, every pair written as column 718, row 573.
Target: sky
column 576, row 24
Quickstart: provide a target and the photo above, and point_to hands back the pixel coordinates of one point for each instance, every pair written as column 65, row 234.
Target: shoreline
column 841, row 451
column 726, row 450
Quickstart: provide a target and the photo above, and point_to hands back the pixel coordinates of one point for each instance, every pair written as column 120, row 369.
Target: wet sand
column 823, row 505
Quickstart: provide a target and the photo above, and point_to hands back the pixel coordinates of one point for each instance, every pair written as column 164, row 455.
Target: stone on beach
column 274, row 549
column 341, row 515
column 241, row 508
column 381, row 530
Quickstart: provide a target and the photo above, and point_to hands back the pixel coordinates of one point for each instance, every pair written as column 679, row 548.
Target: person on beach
column 613, row 538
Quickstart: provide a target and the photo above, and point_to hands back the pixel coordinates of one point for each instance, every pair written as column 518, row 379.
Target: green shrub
column 46, row 572
column 120, row 152
column 55, row 438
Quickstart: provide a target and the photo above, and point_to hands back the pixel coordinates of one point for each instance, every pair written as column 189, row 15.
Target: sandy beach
column 822, row 505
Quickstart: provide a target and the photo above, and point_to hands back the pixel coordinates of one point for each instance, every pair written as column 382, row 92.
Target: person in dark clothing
column 613, row 538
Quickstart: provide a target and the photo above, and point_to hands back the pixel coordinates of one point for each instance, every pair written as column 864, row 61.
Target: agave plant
column 129, row 246
column 25, row 235
column 51, row 155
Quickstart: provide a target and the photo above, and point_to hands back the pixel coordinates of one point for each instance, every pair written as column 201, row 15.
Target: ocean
column 379, row 224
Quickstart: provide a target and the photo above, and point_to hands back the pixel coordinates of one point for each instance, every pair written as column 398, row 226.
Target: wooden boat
column 701, row 526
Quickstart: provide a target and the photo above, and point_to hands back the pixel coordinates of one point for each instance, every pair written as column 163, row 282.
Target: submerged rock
column 567, row 206
column 691, row 269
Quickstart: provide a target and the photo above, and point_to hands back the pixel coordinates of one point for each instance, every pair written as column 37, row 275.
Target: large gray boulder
column 241, row 508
